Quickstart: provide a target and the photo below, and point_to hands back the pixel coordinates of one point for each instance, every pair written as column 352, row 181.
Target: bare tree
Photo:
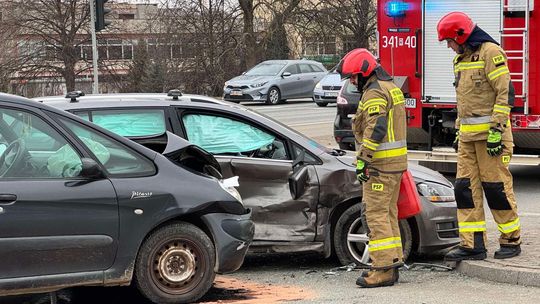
column 51, row 37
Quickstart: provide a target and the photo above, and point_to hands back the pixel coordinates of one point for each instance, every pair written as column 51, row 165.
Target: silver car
column 326, row 91
column 274, row 81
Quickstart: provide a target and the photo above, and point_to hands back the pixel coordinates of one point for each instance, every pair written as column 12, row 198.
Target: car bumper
column 437, row 226
column 325, row 96
column 232, row 236
column 245, row 94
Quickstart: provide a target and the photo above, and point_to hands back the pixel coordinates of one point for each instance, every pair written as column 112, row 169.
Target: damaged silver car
column 304, row 196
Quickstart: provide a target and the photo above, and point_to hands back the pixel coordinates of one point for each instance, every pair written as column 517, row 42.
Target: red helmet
column 455, row 25
column 357, row 61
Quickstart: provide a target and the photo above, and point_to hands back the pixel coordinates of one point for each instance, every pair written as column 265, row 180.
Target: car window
column 34, row 149
column 116, row 158
column 131, row 122
column 305, row 68
column 225, row 136
column 265, row 69
column 316, row 68
column 308, row 158
column 293, row 69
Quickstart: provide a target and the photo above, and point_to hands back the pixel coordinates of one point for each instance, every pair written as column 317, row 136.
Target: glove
column 494, row 142
column 362, row 173
column 455, row 144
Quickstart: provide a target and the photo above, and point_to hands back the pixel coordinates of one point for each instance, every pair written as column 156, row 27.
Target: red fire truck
column 422, row 66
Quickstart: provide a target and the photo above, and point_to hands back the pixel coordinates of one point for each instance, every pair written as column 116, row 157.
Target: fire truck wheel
column 350, row 237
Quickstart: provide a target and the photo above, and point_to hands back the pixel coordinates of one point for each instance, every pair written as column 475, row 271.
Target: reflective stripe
column 474, row 128
column 397, row 96
column 475, row 120
column 382, row 244
column 502, row 109
column 510, row 226
column 472, row 226
column 498, row 72
column 370, row 144
column 390, row 153
column 373, row 102
column 391, row 135
column 392, row 145
column 476, row 65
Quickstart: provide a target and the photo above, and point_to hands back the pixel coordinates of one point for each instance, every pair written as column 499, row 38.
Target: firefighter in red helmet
column 484, row 143
column 379, row 129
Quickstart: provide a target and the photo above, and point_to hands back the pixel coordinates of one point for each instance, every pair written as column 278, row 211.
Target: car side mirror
column 286, row 74
column 297, row 182
column 91, row 169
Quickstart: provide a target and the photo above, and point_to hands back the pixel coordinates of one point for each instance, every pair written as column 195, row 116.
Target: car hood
column 248, row 80
column 331, row 79
column 186, row 154
column 420, row 173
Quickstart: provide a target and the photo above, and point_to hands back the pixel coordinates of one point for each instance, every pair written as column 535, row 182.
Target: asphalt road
column 308, row 278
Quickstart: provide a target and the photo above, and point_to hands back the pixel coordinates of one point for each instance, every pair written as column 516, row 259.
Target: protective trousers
column 476, row 171
column 381, row 193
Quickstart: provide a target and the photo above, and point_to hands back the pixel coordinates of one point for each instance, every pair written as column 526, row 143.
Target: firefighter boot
column 396, row 274
column 506, row 252
column 460, row 254
column 377, row 278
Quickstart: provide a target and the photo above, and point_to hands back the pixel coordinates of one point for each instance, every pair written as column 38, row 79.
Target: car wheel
column 322, row 104
column 274, row 96
column 175, row 264
column 350, row 237
column 346, row 146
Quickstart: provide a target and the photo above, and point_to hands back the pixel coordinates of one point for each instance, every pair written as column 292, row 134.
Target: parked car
column 274, row 81
column 347, row 103
column 326, row 91
column 304, row 196
column 80, row 205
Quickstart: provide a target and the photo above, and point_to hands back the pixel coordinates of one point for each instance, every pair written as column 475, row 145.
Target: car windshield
column 265, row 69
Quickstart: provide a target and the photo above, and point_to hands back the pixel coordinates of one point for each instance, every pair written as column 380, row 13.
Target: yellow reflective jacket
column 485, row 94
column 380, row 126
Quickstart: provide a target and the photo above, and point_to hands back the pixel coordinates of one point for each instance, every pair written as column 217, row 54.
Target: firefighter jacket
column 380, row 126
column 485, row 94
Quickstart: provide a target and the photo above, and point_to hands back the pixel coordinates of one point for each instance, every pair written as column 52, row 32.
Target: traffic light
column 101, row 13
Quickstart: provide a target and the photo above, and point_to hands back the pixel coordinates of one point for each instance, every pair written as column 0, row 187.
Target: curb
column 508, row 274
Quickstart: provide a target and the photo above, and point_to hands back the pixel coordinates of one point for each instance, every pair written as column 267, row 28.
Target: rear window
column 130, row 123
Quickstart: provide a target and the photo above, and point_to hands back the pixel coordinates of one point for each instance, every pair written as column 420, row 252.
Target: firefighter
column 485, row 96
column 379, row 129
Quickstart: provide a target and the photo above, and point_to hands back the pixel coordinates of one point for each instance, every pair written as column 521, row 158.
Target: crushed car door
column 52, row 221
column 263, row 163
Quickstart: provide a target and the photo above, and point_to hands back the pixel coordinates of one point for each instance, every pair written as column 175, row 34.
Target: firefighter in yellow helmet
column 485, row 96
column 379, row 129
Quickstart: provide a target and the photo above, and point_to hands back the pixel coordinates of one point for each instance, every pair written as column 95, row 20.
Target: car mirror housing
column 91, row 169
column 297, row 182
column 286, row 74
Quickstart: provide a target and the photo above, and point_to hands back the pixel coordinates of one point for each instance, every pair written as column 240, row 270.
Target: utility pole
column 95, row 85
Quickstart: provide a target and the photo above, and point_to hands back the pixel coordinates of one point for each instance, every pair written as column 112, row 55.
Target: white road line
column 310, row 123
column 528, row 213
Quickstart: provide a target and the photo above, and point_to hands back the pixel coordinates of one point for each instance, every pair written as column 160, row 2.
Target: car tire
column 322, row 104
column 175, row 264
column 273, row 96
column 350, row 223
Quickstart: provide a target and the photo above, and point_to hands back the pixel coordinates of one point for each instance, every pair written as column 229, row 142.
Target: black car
column 80, row 205
column 304, row 196
column 347, row 103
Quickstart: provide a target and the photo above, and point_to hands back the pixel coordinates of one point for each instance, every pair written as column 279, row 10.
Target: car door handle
column 7, row 199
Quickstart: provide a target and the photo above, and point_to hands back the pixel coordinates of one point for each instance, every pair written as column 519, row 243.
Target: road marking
column 310, row 123
column 528, row 213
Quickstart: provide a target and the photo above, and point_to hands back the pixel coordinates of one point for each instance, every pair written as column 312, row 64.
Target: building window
column 126, row 16
column 314, row 46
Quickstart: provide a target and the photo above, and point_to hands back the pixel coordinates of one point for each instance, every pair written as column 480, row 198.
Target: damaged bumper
column 437, row 225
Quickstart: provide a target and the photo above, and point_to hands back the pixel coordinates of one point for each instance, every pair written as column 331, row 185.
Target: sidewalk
column 521, row 270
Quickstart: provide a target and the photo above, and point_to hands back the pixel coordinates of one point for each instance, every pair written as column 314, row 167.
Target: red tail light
column 340, row 99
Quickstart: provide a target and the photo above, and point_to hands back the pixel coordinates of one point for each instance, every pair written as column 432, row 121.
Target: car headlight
column 436, row 193
column 318, row 86
column 258, row 85
column 229, row 185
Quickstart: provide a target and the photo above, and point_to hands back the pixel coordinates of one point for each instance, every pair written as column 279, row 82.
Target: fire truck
column 409, row 50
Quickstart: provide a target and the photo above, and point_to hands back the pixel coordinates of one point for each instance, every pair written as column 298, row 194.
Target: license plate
column 330, row 94
column 236, row 93
column 410, row 103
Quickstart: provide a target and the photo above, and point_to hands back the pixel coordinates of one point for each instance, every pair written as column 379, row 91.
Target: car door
column 52, row 221
column 289, row 84
column 308, row 80
column 262, row 161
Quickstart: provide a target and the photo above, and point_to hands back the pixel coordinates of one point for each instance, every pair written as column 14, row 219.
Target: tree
column 51, row 37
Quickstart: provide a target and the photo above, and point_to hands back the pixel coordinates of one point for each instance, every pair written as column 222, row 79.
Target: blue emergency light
column 396, row 8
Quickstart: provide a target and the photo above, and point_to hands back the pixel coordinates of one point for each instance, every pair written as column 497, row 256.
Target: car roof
column 286, row 61
column 118, row 100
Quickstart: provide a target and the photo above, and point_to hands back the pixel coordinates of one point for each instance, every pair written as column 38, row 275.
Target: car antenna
column 73, row 95
column 175, row 93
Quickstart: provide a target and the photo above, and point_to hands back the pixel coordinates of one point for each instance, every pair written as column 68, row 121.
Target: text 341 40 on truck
column 80, row 205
